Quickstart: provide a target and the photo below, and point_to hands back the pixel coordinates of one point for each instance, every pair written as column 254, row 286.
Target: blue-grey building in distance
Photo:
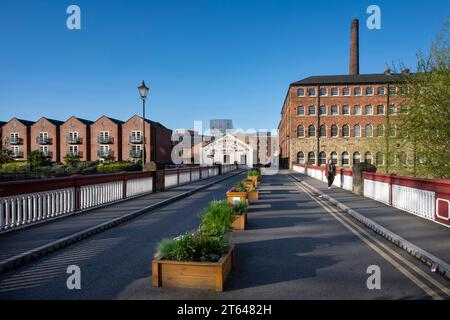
column 221, row 124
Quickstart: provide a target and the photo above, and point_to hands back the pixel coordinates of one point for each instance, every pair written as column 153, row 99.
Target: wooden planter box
column 255, row 180
column 250, row 185
column 239, row 222
column 253, row 196
column 193, row 275
column 236, row 196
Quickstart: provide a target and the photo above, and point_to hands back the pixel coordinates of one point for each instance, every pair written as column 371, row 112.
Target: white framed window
column 357, row 110
column 311, row 131
column 44, row 150
column 380, row 109
column 368, row 110
column 357, row 91
column 300, row 92
column 300, row 110
column 357, row 131
column 323, row 92
column 300, row 157
column 300, row 131
column 334, row 131
column 334, row 110
column 311, row 158
column 323, row 110
column 346, row 130
column 392, row 90
column 73, row 150
column 311, row 110
column 15, row 151
column 334, row 157
column 334, row 92
column 311, row 92
column 135, row 135
column 346, row 91
column 369, row 91
column 368, row 131
column 104, row 150
column 346, row 110
column 345, row 158
column 356, row 157
column 381, row 91
column 368, row 157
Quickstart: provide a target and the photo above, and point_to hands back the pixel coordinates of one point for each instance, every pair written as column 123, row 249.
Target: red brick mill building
column 345, row 118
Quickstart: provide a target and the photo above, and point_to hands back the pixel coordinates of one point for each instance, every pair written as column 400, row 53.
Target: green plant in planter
column 253, row 173
column 192, row 247
column 239, row 208
column 216, row 219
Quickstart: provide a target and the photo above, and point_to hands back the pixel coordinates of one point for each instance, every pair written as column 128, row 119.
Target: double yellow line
column 379, row 247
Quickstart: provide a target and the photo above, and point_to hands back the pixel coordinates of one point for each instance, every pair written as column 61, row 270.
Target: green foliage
column 253, row 173
column 118, row 167
column 37, row 159
column 72, row 160
column 240, row 186
column 216, row 219
column 109, row 158
column 239, row 207
column 427, row 123
column 165, row 249
column 192, row 247
column 6, row 156
column 86, row 168
column 15, row 168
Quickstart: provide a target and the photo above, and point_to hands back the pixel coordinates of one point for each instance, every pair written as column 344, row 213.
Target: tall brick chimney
column 354, row 48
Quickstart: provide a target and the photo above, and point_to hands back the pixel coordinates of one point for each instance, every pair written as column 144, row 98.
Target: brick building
column 345, row 118
column 76, row 138
column 45, row 137
column 159, row 144
column 106, row 138
column 16, row 135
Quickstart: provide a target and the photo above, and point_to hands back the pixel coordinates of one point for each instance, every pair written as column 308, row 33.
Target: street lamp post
column 143, row 91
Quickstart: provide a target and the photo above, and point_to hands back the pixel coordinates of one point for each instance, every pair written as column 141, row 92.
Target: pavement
column 427, row 235
column 293, row 249
column 30, row 242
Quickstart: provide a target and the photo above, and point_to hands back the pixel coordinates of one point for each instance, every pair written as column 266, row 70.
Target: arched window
column 401, row 158
column 357, row 110
column 345, row 158
column 392, row 130
column 334, row 130
column 323, row 131
column 380, row 130
column 300, row 92
column 368, row 131
column 345, row 130
column 301, row 158
column 311, row 92
column 380, row 159
column 334, row 110
column 356, row 158
column 346, row 110
column 357, row 131
column 311, row 131
column 368, row 157
column 322, row 158
column 300, row 131
column 369, row 110
column 311, row 158
column 300, row 110
column 334, row 157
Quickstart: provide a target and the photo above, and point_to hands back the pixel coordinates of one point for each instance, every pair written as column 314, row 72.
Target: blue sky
column 202, row 59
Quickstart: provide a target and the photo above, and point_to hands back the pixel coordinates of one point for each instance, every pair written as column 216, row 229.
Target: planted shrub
column 253, row 173
column 216, row 219
column 239, row 207
column 118, row 167
column 15, row 167
column 192, row 247
column 239, row 187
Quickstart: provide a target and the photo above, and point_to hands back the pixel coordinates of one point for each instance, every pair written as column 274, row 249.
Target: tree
column 36, row 158
column 427, row 121
column 6, row 156
column 72, row 160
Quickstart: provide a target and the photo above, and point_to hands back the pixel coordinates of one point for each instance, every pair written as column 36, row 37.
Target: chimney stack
column 354, row 48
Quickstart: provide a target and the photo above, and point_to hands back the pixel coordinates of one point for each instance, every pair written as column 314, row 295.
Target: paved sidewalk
column 425, row 234
column 21, row 241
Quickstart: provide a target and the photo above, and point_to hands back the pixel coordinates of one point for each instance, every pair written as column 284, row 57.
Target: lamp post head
column 143, row 90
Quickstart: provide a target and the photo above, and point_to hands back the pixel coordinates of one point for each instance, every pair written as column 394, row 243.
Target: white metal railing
column 415, row 201
column 99, row 194
column 376, row 190
column 139, row 186
column 24, row 209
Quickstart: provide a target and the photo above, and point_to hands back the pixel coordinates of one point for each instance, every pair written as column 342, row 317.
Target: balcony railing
column 136, row 139
column 43, row 140
column 48, row 154
column 17, row 154
column 74, row 153
column 136, row 153
column 105, row 140
column 74, row 140
column 14, row 141
column 105, row 153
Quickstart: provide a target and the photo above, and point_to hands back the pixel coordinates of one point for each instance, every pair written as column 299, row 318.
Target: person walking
column 331, row 173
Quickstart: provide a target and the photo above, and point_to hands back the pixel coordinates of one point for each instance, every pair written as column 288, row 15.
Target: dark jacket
column 331, row 168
